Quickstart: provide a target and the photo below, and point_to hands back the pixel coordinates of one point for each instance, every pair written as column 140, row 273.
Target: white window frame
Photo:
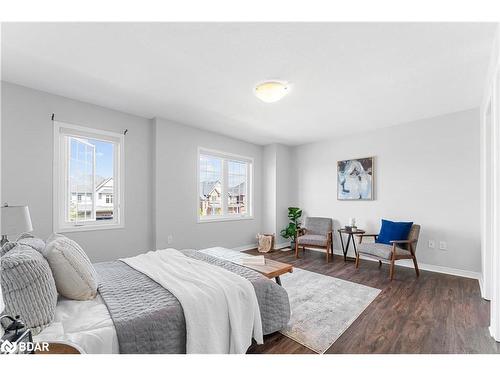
column 225, row 156
column 60, row 179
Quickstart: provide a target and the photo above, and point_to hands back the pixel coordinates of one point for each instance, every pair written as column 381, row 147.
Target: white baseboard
column 425, row 267
column 279, row 246
column 434, row 268
column 255, row 245
column 481, row 288
column 245, row 247
column 492, row 334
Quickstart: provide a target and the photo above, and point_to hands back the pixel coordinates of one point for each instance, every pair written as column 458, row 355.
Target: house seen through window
column 224, row 186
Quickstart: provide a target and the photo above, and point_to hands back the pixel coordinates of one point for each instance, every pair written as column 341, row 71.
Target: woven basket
column 266, row 242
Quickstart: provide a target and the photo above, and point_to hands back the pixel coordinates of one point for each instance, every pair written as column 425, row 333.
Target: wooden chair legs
column 416, row 265
column 391, row 272
column 328, row 247
column 391, row 269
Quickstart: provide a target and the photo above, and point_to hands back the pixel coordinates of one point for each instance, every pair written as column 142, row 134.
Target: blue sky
column 211, row 170
column 104, row 158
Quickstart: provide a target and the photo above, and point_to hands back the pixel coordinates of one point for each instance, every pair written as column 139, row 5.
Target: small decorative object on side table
column 350, row 231
column 352, row 222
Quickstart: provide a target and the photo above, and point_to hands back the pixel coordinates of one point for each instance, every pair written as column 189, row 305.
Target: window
column 224, row 186
column 88, row 191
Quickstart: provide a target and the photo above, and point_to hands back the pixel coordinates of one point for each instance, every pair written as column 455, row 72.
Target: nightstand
column 59, row 348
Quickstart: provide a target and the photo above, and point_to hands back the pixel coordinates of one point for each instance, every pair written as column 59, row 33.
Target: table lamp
column 15, row 220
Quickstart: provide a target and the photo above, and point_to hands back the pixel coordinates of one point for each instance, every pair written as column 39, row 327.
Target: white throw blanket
column 221, row 309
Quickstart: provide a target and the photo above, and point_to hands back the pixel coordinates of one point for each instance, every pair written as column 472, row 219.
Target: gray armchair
column 317, row 233
column 404, row 249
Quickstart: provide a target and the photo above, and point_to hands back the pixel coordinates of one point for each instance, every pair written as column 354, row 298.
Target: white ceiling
column 346, row 77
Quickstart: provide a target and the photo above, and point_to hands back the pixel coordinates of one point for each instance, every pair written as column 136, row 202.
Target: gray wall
column 269, row 189
column 278, row 189
column 425, row 171
column 284, row 188
column 27, row 154
column 176, row 204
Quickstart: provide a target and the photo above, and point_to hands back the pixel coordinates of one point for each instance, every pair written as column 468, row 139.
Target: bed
column 134, row 314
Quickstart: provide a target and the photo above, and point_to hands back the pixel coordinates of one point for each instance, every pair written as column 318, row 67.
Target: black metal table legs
column 345, row 249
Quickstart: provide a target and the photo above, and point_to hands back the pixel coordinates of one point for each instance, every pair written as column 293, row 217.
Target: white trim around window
column 226, row 157
column 61, row 181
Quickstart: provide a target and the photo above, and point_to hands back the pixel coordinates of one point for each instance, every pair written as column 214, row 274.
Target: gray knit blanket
column 149, row 319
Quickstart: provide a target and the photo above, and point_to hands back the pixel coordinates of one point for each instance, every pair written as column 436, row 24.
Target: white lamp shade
column 16, row 220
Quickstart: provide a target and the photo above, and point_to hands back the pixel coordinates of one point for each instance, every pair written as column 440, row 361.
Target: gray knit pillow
column 7, row 247
column 28, row 287
column 29, row 240
column 26, row 239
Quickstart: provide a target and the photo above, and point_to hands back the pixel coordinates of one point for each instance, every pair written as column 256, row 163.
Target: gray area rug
column 323, row 307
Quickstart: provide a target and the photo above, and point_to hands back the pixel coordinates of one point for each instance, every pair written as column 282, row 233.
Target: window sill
column 88, row 228
column 224, row 218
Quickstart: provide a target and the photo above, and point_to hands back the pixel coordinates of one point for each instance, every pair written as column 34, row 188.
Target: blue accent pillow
column 393, row 231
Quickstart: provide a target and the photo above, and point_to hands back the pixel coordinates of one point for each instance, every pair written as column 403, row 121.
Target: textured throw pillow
column 28, row 287
column 393, row 231
column 7, row 247
column 75, row 276
column 25, row 239
column 29, row 240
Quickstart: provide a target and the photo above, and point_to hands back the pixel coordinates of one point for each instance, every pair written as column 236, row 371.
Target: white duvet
column 221, row 308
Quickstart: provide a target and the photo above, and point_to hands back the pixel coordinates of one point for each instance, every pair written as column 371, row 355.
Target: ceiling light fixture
column 271, row 91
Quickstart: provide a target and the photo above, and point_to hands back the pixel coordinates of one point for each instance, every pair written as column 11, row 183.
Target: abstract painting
column 355, row 179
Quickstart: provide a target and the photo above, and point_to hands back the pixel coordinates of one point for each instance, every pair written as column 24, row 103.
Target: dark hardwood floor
column 435, row 313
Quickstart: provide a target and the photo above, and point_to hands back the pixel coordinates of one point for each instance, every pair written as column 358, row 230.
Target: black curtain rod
column 53, row 116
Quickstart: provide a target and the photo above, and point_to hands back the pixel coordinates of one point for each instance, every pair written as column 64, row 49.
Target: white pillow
column 74, row 275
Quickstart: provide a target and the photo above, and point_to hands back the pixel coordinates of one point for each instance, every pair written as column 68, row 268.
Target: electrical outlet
column 432, row 244
column 170, row 239
column 442, row 245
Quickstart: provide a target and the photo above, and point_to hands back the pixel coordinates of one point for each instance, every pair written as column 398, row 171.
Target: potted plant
column 294, row 214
